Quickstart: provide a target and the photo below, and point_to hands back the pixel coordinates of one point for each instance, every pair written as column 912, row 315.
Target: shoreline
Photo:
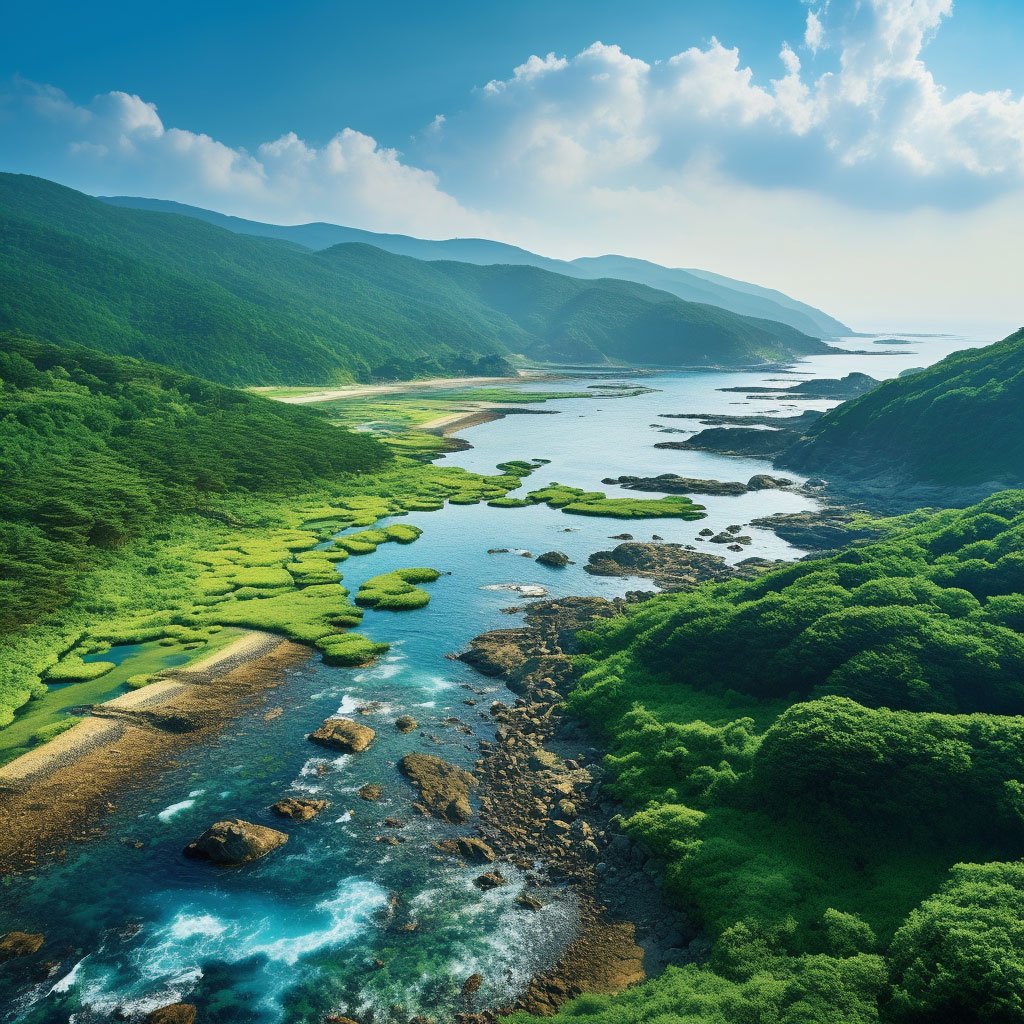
column 397, row 387
column 59, row 793
column 541, row 803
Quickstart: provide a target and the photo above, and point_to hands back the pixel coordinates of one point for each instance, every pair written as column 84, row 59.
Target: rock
column 174, row 1013
column 764, row 482
column 476, row 851
column 670, row 483
column 524, row 899
column 472, row 984
column 444, row 788
column 14, row 944
column 706, row 533
column 621, row 536
column 371, row 791
column 234, row 842
column 406, row 723
column 490, row 880
column 336, row 1018
column 299, row 808
column 555, row 559
column 343, row 734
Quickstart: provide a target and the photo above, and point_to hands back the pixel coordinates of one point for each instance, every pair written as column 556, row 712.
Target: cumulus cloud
column 875, row 129
column 119, row 142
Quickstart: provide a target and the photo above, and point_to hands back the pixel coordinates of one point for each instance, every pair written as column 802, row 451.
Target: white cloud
column 814, row 33
column 118, row 142
column 877, row 129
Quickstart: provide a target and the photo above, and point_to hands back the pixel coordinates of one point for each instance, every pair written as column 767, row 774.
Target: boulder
column 472, row 984
column 444, row 788
column 406, row 723
column 343, row 734
column 555, row 559
column 14, row 944
column 764, row 482
column 299, row 808
column 233, row 842
column 174, row 1013
column 490, row 880
column 524, row 899
column 468, row 848
column 371, row 791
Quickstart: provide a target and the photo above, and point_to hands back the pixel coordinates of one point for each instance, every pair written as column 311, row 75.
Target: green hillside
column 691, row 285
column 247, row 310
column 98, row 450
column 829, row 761
column 956, row 423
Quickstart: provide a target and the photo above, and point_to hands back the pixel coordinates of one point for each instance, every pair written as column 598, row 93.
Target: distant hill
column 957, row 423
column 691, row 285
column 249, row 310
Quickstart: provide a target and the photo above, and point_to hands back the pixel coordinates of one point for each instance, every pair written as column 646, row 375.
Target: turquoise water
column 306, row 931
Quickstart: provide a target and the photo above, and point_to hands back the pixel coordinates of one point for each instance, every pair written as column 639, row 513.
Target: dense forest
column 247, row 310
column 830, row 760
column 96, row 450
column 957, row 423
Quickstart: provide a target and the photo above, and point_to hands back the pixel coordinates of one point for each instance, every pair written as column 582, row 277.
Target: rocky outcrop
column 443, row 788
column 299, row 808
column 15, row 944
column 233, row 842
column 671, row 566
column 469, row 848
column 749, row 442
column 555, row 559
column 767, row 482
column 371, row 791
column 406, row 723
column 174, row 1013
column 343, row 734
column 823, row 530
column 490, row 880
column 669, row 483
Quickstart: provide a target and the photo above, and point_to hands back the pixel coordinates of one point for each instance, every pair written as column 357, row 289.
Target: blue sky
column 826, row 148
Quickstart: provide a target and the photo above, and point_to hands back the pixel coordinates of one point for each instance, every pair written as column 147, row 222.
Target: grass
column 575, row 501
column 396, row 591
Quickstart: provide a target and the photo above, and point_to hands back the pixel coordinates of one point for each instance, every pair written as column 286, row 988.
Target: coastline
column 541, row 804
column 59, row 793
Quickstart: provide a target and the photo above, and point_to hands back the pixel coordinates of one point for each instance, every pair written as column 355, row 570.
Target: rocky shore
column 542, row 809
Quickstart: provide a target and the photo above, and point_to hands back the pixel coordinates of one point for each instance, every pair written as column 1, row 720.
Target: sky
column 863, row 155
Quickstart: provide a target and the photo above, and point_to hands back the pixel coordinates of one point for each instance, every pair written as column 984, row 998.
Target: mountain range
column 691, row 285
column 241, row 309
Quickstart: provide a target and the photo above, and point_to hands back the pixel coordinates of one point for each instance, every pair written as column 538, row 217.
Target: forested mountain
column 691, row 285
column 829, row 759
column 958, row 422
column 247, row 310
column 96, row 450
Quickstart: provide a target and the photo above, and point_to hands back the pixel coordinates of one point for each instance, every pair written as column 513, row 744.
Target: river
column 136, row 926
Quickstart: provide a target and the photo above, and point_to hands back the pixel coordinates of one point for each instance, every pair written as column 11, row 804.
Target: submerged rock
column 343, row 734
column 555, row 559
column 234, row 842
column 14, row 944
column 406, row 723
column 444, row 788
column 173, row 1013
column 299, row 808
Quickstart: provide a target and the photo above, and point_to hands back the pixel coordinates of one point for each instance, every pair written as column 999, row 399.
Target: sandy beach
column 59, row 793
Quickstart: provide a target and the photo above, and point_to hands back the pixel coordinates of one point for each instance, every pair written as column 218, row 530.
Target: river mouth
column 342, row 919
